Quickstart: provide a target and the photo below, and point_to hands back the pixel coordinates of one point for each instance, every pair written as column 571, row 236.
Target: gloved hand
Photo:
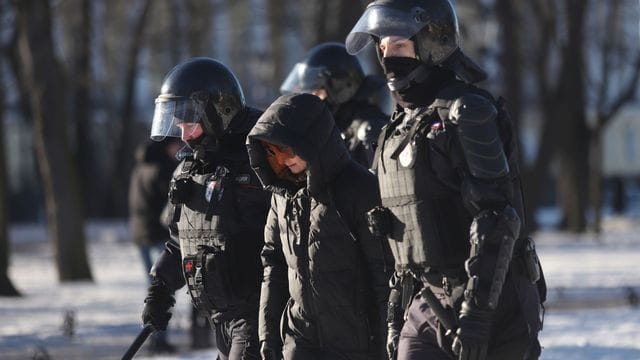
column 269, row 351
column 393, row 337
column 472, row 336
column 157, row 304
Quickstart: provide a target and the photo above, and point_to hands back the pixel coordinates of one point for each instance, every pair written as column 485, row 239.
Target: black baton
column 445, row 317
column 137, row 343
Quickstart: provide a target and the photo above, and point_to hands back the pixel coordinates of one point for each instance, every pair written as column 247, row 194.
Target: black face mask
column 412, row 83
column 398, row 68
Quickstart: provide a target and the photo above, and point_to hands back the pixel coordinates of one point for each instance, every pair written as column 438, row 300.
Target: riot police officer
column 219, row 208
column 449, row 181
column 354, row 99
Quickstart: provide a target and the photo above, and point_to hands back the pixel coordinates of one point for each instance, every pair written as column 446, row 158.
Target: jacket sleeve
column 274, row 292
column 379, row 262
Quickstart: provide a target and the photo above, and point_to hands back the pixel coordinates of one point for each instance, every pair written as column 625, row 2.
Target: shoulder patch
column 243, row 179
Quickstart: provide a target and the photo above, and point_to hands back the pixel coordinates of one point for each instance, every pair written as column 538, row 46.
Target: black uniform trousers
column 237, row 339
column 513, row 335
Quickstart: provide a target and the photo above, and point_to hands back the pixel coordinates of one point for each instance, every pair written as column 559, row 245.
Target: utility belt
column 525, row 260
column 525, row 257
column 209, row 281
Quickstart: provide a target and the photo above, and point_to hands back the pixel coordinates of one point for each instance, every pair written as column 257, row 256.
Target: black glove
column 379, row 221
column 157, row 304
column 269, row 352
column 399, row 284
column 472, row 337
column 393, row 337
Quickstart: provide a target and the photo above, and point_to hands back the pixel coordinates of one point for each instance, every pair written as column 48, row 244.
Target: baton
column 441, row 313
column 137, row 343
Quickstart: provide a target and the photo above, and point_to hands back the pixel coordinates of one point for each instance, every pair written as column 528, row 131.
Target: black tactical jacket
column 322, row 266
column 226, row 216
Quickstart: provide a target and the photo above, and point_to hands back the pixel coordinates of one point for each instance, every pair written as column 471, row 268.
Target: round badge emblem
column 408, row 155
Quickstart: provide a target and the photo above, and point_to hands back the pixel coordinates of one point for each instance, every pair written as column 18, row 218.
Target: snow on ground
column 107, row 311
column 591, row 267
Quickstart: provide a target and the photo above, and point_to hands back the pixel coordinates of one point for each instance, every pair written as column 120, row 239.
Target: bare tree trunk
column 595, row 181
column 82, row 104
column 349, row 12
column 124, row 149
column 511, row 59
column 330, row 28
column 6, row 286
column 177, row 31
column 563, row 111
column 574, row 148
column 276, row 10
column 320, row 21
column 509, row 14
column 59, row 179
column 199, row 31
column 534, row 177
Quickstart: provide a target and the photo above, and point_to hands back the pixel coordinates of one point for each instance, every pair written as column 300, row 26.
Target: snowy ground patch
column 107, row 312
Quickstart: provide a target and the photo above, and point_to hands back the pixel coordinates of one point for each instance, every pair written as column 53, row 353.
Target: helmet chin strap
column 464, row 67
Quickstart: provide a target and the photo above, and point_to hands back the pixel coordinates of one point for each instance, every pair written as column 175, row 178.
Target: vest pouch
column 216, row 279
column 208, row 278
column 531, row 261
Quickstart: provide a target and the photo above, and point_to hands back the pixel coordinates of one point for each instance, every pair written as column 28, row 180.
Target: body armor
column 213, row 233
column 418, row 184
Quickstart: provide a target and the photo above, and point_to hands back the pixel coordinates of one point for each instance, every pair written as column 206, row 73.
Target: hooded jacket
column 324, row 272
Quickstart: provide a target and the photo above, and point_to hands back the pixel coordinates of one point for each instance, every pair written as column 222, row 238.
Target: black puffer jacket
column 319, row 253
column 148, row 189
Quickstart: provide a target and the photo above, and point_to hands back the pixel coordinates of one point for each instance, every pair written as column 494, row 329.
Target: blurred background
column 78, row 79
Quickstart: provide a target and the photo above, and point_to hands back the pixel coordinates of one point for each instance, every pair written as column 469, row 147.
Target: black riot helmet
column 327, row 66
column 431, row 24
column 200, row 90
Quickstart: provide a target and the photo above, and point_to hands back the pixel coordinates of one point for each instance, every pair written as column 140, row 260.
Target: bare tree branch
column 626, row 95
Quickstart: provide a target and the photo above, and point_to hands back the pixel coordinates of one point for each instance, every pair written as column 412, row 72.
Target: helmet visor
column 304, row 79
column 379, row 21
column 170, row 112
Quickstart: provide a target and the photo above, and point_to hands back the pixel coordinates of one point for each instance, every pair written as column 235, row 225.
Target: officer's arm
column 167, row 277
column 168, row 267
column 485, row 191
column 274, row 292
column 495, row 226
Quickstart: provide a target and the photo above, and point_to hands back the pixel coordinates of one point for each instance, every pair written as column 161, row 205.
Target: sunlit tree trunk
column 565, row 136
column 126, row 117
column 47, row 93
column 6, row 286
column 276, row 10
column 574, row 148
column 81, row 77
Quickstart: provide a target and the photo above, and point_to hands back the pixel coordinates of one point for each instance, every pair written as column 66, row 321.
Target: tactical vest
column 207, row 219
column 420, row 186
